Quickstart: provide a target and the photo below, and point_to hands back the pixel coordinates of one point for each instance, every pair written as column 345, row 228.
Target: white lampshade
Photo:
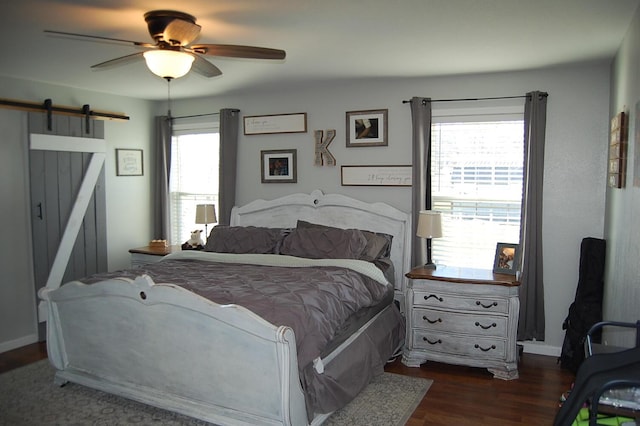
column 168, row 63
column 429, row 224
column 206, row 213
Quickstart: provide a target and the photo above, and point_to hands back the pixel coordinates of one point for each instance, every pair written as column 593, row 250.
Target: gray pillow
column 378, row 244
column 244, row 239
column 324, row 243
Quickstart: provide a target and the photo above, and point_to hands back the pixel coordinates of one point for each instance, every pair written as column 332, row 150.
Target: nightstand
column 145, row 255
column 462, row 316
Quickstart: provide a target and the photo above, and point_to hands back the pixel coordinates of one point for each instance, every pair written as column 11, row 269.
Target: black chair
column 600, row 372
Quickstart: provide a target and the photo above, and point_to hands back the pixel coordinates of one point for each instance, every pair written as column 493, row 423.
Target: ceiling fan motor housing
column 157, row 21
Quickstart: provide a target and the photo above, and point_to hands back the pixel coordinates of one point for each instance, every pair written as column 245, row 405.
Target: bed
column 163, row 342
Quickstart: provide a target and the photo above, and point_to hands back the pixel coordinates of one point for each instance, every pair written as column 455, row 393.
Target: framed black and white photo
column 367, row 128
column 506, row 260
column 279, row 166
column 129, row 162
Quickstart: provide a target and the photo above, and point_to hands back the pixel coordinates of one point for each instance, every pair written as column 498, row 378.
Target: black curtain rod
column 201, row 115
column 196, row 115
column 543, row 94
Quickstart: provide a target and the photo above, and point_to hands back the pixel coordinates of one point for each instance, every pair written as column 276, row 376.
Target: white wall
column 128, row 198
column 622, row 277
column 577, row 130
column 576, row 149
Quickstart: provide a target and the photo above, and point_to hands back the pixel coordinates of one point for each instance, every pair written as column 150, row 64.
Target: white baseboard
column 539, row 348
column 18, row 343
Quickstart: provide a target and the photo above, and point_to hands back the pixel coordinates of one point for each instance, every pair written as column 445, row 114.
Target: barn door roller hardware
column 48, row 107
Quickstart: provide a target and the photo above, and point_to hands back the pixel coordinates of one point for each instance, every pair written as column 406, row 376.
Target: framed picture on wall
column 506, row 260
column 376, row 175
column 277, row 123
column 367, row 128
column 617, row 151
column 129, row 162
column 279, row 166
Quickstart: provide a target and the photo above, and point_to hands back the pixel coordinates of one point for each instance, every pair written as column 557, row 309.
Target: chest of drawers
column 462, row 316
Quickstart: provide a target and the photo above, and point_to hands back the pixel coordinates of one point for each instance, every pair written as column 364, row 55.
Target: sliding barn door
column 55, row 180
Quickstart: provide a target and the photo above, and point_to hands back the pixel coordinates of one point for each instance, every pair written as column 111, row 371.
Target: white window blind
column 477, row 175
column 195, row 149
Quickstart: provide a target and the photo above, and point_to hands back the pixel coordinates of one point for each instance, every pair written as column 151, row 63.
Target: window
column 195, row 149
column 477, row 175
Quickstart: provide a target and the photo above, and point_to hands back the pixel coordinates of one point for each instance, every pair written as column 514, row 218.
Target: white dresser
column 462, row 316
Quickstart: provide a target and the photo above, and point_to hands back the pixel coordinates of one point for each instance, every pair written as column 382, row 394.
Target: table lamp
column 429, row 226
column 206, row 214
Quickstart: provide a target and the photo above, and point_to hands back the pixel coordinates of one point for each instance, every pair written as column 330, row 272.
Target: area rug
column 29, row 397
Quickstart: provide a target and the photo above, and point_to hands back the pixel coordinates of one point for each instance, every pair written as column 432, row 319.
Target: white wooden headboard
column 339, row 211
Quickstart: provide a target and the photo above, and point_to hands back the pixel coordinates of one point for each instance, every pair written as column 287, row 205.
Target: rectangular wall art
column 279, row 166
column 129, row 162
column 367, row 128
column 280, row 123
column 617, row 151
column 376, row 175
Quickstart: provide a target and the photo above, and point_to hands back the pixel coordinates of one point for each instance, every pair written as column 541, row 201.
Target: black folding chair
column 601, row 371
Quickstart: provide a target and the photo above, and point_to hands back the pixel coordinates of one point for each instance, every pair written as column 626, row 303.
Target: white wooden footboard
column 168, row 347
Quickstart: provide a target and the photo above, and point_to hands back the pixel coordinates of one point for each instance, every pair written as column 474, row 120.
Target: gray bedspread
column 315, row 301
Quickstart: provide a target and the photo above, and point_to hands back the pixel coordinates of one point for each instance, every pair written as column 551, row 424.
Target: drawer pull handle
column 440, row 299
column 424, row 318
column 434, row 342
column 486, row 327
column 485, row 349
column 491, row 305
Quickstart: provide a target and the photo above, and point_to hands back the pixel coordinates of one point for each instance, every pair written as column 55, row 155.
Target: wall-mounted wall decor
column 322, row 154
column 367, row 128
column 279, row 166
column 618, row 151
column 376, row 175
column 129, row 162
column 506, row 260
column 277, row 123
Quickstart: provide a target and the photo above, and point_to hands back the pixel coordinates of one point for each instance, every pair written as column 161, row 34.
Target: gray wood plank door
column 55, row 178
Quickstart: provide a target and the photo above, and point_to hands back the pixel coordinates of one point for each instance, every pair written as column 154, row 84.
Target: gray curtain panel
column 531, row 323
column 421, row 188
column 229, row 124
column 161, row 225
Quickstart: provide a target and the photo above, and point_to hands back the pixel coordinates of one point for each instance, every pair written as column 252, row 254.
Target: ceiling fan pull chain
column 168, row 96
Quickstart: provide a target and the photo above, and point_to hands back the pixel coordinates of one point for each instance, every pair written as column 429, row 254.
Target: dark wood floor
column 22, row 356
column 458, row 396
column 471, row 396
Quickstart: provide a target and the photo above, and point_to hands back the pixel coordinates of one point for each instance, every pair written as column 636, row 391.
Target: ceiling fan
column 173, row 55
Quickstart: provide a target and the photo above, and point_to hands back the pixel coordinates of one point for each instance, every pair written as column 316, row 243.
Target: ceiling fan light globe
column 168, row 63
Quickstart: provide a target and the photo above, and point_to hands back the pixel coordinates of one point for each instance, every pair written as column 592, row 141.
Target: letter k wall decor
column 322, row 154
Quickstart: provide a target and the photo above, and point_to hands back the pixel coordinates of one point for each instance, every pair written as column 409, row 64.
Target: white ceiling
column 324, row 39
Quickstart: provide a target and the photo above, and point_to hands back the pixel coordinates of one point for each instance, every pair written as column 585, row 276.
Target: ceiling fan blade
column 181, row 32
column 236, row 51
column 205, row 68
column 100, row 38
column 123, row 60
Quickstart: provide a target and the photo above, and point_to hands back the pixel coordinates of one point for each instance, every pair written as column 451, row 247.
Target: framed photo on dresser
column 506, row 259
